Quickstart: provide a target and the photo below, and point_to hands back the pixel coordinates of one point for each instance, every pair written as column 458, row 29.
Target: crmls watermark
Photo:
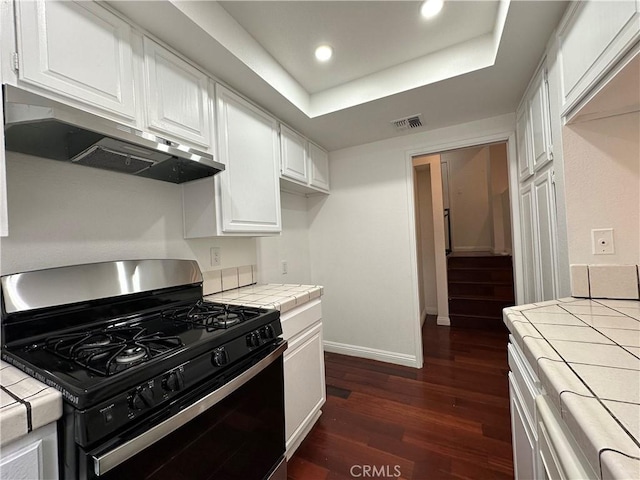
column 375, row 471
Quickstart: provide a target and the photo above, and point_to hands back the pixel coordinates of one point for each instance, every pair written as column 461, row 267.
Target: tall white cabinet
column 536, row 188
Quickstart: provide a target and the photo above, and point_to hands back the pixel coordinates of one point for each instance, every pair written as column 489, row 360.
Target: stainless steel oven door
column 232, row 431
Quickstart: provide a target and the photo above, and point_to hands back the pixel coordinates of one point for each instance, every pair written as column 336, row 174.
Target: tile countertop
column 280, row 297
column 586, row 354
column 26, row 404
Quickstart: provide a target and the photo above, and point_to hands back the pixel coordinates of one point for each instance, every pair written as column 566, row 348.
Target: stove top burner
column 225, row 320
column 111, row 350
column 211, row 316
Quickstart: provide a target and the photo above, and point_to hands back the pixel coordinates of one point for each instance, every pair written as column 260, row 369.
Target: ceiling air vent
column 407, row 123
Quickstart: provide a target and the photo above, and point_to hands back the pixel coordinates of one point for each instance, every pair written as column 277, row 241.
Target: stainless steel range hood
column 44, row 128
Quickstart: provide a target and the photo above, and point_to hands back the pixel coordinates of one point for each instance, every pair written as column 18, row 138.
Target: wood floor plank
column 448, row 420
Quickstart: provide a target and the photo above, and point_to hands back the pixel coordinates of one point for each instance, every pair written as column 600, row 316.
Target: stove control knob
column 220, row 357
column 173, row 382
column 253, row 340
column 141, row 398
column 267, row 332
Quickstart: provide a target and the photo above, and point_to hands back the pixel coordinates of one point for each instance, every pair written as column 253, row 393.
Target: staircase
column 480, row 286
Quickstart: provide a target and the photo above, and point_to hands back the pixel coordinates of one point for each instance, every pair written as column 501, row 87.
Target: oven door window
column 241, row 437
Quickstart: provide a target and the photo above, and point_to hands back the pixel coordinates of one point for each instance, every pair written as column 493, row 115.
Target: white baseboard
column 371, row 353
column 427, row 311
column 444, row 321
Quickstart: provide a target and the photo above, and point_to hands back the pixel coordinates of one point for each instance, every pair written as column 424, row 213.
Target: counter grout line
column 633, row 439
column 26, row 404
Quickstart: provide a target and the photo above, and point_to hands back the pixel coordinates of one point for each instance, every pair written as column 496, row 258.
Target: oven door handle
column 113, row 458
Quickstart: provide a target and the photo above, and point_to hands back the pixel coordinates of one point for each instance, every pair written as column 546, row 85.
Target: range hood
column 44, row 128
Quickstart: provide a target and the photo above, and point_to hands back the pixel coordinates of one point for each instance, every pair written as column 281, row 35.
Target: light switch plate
column 602, row 241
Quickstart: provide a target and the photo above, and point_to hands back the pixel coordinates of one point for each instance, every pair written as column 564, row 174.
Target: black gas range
column 144, row 364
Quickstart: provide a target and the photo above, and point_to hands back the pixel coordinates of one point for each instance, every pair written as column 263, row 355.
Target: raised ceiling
column 367, row 37
column 472, row 62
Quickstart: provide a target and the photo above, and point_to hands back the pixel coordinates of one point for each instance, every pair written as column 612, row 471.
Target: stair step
column 493, row 261
column 477, row 321
column 478, row 306
column 480, row 274
column 481, row 290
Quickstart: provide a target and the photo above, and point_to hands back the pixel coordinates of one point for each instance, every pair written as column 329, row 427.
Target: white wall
column 291, row 246
column 501, row 213
column 471, row 226
column 362, row 241
column 426, row 254
column 63, row 214
column 602, row 186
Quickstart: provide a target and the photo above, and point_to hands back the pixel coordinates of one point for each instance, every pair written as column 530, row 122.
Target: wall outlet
column 602, row 241
column 285, row 267
column 216, row 260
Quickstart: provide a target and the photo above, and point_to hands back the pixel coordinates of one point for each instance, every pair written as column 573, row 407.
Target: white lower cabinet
column 523, row 390
column 543, row 446
column 304, row 380
column 33, row 456
column 522, row 436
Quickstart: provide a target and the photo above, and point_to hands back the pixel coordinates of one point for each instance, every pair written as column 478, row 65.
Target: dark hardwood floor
column 449, row 419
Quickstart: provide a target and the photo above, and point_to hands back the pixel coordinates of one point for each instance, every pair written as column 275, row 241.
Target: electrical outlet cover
column 602, row 241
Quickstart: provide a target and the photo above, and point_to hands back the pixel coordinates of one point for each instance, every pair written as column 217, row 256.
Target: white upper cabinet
column 593, row 37
column 177, row 96
column 244, row 199
column 319, row 168
column 249, row 147
column 294, row 155
column 77, row 50
column 305, row 166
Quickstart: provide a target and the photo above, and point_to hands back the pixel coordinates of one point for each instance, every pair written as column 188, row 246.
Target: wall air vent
column 407, row 123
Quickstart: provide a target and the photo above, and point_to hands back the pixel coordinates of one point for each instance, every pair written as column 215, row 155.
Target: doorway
column 464, row 235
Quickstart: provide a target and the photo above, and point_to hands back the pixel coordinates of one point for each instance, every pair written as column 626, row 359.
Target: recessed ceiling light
column 431, row 8
column 324, row 53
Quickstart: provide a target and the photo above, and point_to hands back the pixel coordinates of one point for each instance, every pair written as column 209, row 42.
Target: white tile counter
column 26, row 404
column 586, row 354
column 280, row 297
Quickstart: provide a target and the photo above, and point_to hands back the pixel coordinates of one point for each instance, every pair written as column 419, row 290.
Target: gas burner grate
column 212, row 316
column 112, row 350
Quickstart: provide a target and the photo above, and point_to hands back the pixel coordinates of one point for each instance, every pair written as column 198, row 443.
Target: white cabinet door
column 25, row 463
column 77, row 50
column 34, row 455
column 524, row 442
column 539, row 250
column 250, row 149
column 539, row 115
column 523, row 140
column 528, row 244
column 294, row 155
column 593, row 36
column 319, row 168
column 177, row 96
column 545, row 213
column 304, row 384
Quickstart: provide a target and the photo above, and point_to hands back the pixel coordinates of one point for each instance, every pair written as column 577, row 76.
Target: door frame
column 472, row 140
